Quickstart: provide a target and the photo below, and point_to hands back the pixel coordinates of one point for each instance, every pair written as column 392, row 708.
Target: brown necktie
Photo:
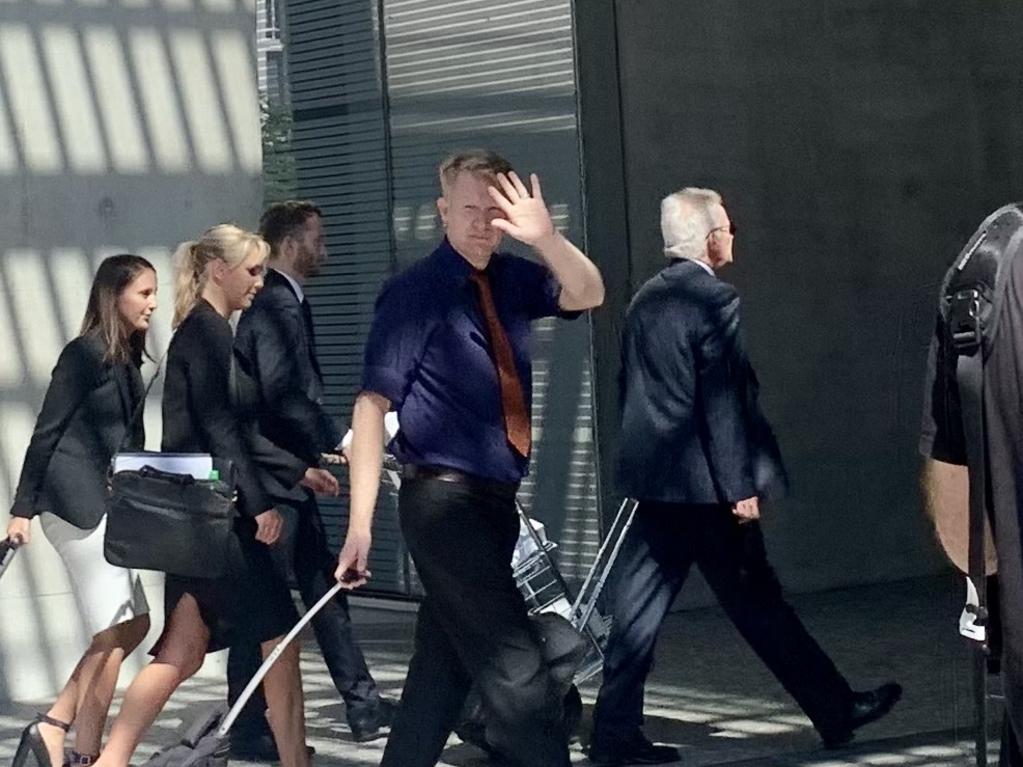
column 513, row 401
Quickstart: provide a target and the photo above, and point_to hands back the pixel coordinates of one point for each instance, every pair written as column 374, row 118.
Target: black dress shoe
column 865, row 707
column 366, row 722
column 258, row 748
column 631, row 749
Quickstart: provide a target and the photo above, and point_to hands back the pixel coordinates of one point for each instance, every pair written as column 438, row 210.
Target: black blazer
column 85, row 415
column 693, row 431
column 276, row 346
column 207, row 408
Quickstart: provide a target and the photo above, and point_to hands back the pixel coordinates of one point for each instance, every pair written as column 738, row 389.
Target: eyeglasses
column 730, row 229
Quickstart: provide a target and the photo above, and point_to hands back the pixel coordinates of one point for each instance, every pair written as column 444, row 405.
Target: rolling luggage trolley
column 547, row 594
column 543, row 586
column 545, row 589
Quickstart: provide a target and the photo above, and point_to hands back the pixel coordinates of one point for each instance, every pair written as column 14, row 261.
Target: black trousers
column 314, row 566
column 660, row 547
column 472, row 627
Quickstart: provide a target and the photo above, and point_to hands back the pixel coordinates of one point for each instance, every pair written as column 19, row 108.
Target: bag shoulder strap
column 971, row 299
column 136, row 416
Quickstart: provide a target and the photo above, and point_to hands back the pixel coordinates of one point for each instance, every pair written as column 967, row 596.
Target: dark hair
column 480, row 162
column 285, row 219
column 102, row 318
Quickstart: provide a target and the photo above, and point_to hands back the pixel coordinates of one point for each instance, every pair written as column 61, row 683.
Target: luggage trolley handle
column 250, row 688
column 588, row 586
column 8, row 547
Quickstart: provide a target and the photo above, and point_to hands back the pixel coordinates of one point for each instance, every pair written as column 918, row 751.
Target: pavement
column 708, row 693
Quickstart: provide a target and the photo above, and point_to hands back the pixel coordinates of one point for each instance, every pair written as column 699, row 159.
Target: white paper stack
column 199, row 465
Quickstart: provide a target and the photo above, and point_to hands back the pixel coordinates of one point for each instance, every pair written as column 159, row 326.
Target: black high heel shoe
column 32, row 743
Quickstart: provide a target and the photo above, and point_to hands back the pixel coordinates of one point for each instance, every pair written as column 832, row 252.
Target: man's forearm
column 582, row 287
column 366, row 459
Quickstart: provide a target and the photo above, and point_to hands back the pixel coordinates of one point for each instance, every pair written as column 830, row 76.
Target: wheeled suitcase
column 205, row 743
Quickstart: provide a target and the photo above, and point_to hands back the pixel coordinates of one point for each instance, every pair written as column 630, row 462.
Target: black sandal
column 32, row 743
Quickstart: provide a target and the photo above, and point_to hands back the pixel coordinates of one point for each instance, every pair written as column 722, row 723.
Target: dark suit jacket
column 275, row 343
column 693, row 431
column 85, row 415
column 207, row 409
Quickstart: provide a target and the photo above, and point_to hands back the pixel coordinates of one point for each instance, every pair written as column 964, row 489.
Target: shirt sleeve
column 397, row 339
column 541, row 291
column 941, row 434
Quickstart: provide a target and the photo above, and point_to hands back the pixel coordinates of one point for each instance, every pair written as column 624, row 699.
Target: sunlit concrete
column 708, row 694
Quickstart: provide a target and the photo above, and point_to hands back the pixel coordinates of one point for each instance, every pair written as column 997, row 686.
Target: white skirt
column 106, row 595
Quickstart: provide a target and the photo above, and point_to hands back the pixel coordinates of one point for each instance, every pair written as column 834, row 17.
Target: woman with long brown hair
column 216, row 276
column 93, row 407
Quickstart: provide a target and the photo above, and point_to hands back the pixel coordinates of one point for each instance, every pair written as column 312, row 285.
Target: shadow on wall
column 125, row 126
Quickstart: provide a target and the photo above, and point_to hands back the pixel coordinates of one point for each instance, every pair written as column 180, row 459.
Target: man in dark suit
column 276, row 344
column 699, row 456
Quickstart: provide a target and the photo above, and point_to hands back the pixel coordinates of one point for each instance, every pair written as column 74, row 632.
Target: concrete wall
column 124, row 126
column 857, row 144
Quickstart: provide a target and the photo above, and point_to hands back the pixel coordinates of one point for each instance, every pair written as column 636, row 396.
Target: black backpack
column 970, row 302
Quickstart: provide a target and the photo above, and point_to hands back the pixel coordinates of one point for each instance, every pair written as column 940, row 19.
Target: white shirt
column 294, row 285
column 706, row 267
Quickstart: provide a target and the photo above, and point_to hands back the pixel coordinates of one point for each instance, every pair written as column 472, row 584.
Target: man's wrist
column 548, row 242
column 358, row 529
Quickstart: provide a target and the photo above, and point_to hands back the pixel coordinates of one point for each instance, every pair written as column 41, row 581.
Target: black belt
column 444, row 474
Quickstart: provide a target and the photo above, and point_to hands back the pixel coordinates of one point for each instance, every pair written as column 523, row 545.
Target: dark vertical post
column 606, row 229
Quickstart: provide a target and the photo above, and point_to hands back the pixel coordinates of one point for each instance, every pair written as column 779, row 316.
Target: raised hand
column 526, row 217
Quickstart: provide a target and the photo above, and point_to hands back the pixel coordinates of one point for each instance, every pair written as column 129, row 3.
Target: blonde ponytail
column 228, row 242
column 188, row 279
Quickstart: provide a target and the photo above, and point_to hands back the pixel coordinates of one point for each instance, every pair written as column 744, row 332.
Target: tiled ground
column 708, row 693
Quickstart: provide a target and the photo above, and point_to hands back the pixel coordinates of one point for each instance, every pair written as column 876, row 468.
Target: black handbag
column 171, row 522
column 174, row 523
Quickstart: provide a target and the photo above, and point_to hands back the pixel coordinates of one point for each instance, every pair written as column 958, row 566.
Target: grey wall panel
column 857, row 145
column 124, row 127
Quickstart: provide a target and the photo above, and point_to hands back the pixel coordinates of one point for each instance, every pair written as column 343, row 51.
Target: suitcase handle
column 8, row 545
column 7, row 548
column 250, row 688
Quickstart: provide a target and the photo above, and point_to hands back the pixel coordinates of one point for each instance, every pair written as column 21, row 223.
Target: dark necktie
column 513, row 401
column 310, row 334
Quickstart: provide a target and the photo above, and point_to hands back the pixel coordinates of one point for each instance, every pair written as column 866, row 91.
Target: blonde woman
column 87, row 414
column 216, row 276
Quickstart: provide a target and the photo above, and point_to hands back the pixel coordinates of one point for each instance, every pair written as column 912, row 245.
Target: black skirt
column 249, row 604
